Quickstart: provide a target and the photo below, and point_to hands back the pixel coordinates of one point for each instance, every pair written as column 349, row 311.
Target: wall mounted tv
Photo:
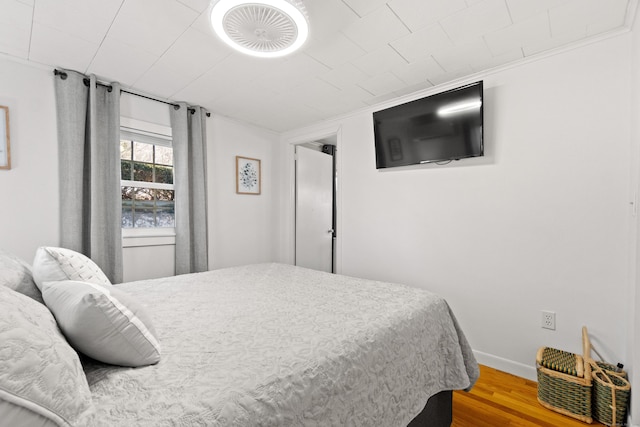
column 439, row 128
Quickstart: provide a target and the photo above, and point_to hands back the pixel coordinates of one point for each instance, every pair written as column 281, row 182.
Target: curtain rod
column 63, row 76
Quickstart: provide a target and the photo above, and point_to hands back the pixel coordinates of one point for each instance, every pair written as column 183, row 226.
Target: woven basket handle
column 586, row 349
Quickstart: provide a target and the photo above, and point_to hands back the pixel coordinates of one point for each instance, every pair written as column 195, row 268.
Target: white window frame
column 150, row 133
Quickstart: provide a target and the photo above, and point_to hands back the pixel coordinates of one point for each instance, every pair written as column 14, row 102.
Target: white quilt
column 276, row 345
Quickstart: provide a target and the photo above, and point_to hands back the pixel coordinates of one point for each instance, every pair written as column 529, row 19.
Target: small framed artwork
column 248, row 175
column 5, row 149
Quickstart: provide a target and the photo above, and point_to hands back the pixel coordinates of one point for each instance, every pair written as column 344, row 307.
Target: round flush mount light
column 263, row 28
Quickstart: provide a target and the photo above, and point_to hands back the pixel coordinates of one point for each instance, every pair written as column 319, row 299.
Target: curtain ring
column 62, row 74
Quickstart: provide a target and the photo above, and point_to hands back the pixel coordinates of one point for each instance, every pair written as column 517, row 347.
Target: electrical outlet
column 549, row 320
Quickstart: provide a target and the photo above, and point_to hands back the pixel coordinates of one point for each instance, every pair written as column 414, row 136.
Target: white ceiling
column 360, row 52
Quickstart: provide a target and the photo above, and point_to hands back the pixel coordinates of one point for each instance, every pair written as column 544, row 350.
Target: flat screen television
column 438, row 128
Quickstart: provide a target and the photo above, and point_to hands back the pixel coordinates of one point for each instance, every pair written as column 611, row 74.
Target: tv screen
column 438, row 128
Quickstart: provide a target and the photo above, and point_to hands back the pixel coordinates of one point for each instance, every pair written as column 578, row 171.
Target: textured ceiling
column 360, row 52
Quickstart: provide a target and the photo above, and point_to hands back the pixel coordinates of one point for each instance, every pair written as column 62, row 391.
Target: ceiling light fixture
column 263, row 28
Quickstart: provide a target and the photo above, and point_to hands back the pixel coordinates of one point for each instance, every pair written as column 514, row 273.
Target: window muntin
column 147, row 185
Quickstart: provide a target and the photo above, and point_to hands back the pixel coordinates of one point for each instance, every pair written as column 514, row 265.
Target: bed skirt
column 437, row 412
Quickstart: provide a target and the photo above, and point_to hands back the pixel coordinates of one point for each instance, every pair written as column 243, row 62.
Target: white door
column 314, row 209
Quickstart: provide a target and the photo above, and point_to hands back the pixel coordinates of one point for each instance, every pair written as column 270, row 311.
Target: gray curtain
column 188, row 126
column 88, row 116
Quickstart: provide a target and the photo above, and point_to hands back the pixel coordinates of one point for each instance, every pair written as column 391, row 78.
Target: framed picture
column 248, row 175
column 5, row 149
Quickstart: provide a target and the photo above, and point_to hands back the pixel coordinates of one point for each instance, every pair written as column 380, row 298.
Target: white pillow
column 41, row 378
column 103, row 323
column 55, row 264
column 16, row 274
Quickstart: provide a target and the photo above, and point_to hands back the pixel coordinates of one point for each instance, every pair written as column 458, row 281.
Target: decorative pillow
column 103, row 323
column 56, row 264
column 41, row 378
column 16, row 274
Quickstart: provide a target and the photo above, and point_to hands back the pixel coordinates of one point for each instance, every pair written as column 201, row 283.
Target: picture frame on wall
column 248, row 176
column 5, row 148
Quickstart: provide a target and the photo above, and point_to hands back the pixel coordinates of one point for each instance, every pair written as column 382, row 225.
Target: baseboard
column 506, row 365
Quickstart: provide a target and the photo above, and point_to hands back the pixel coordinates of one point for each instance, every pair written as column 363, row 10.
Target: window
column 147, row 183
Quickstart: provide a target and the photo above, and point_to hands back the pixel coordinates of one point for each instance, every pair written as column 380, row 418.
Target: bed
column 278, row 345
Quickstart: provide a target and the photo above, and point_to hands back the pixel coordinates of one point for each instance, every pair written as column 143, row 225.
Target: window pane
column 125, row 150
column 127, row 193
column 164, row 155
column 165, row 214
column 146, row 207
column 142, row 152
column 143, row 194
column 165, row 195
column 165, row 208
column 127, row 213
column 142, row 172
column 164, row 174
column 125, row 168
column 143, row 215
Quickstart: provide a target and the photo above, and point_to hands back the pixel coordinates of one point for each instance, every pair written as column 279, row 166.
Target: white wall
column 541, row 222
column 240, row 225
column 149, row 259
column 29, row 212
column 634, row 285
column 240, row 229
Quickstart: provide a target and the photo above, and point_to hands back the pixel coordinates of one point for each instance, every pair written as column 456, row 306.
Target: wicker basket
column 564, row 381
column 610, row 396
column 610, row 369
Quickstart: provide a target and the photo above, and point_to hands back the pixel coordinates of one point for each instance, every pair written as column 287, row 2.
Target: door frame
column 290, row 226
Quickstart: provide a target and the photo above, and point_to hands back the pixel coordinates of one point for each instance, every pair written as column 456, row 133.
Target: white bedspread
column 276, row 345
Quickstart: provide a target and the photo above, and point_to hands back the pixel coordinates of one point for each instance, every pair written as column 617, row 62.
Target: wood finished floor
column 502, row 400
